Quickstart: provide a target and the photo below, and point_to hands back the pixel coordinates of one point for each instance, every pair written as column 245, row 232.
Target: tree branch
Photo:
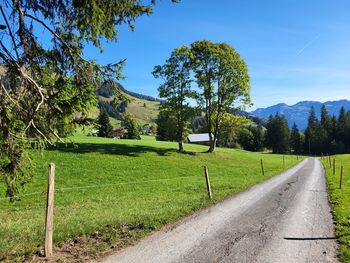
column 10, row 31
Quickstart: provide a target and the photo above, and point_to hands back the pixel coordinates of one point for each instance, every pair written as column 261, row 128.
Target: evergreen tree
column 133, row 129
column 326, row 125
column 310, row 131
column 296, row 140
column 50, row 81
column 342, row 132
column 277, row 134
column 341, row 125
column 315, row 135
column 105, row 128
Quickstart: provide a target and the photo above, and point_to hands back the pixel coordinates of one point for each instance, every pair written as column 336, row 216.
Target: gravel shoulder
column 284, row 219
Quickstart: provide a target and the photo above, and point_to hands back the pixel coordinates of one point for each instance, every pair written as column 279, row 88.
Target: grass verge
column 109, row 193
column 340, row 201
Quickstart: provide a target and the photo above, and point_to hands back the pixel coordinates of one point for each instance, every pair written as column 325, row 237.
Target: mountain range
column 299, row 112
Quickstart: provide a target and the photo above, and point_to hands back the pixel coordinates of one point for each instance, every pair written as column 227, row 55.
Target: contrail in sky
column 307, row 45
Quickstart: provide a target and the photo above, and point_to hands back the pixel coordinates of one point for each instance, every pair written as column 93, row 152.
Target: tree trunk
column 181, row 147
column 212, row 146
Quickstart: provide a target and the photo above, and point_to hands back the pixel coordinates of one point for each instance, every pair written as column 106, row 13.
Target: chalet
column 119, row 132
column 200, row 138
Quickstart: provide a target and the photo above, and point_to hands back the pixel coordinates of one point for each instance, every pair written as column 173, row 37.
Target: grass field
column 340, row 201
column 144, row 111
column 111, row 192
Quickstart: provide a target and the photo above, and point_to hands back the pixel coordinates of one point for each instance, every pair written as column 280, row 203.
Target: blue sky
column 295, row 50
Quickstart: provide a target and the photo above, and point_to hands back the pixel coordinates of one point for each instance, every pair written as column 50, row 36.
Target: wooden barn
column 200, row 138
column 119, row 132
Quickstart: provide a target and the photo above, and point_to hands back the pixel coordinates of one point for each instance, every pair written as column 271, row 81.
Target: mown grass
column 119, row 190
column 340, row 201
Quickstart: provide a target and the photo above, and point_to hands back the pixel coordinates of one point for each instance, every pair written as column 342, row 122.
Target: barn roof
column 200, row 137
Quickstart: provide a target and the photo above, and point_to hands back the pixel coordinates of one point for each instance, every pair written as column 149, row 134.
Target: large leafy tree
column 46, row 82
column 166, row 125
column 176, row 90
column 231, row 127
column 222, row 76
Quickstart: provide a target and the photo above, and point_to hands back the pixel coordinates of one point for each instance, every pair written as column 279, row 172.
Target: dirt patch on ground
column 94, row 246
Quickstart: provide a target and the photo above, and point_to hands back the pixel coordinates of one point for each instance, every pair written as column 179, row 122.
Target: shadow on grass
column 111, row 148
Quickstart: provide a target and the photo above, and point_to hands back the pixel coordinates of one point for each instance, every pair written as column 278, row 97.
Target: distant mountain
column 299, row 112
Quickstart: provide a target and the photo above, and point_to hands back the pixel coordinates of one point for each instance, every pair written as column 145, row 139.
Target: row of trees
column 221, row 80
column 105, row 129
column 329, row 135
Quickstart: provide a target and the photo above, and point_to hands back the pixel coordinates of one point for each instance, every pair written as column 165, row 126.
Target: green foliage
column 48, row 88
column 231, row 127
column 222, row 76
column 277, row 134
column 166, row 126
column 176, row 90
column 132, row 127
column 252, row 138
column 314, row 135
column 330, row 135
column 340, row 202
column 105, row 128
column 141, row 184
column 296, row 140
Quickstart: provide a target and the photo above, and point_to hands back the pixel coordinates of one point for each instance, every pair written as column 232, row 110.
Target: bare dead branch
column 8, row 95
column 10, row 31
column 31, row 123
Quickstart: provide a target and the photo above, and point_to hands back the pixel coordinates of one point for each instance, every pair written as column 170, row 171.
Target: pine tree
column 341, row 126
column 315, row 135
column 132, row 127
column 277, row 134
column 310, row 131
column 105, row 128
column 295, row 140
column 326, row 125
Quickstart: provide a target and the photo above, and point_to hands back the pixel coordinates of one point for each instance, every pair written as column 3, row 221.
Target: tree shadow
column 111, row 148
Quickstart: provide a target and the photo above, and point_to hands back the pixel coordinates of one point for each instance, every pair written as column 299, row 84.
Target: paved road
column 285, row 219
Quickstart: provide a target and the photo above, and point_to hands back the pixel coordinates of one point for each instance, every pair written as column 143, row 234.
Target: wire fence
column 101, row 186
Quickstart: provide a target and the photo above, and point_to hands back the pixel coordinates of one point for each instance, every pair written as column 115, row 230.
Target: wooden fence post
column 49, row 211
column 262, row 167
column 208, row 181
column 341, row 177
column 330, row 162
column 333, row 166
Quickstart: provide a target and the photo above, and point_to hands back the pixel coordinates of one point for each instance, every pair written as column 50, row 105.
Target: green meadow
column 340, row 201
column 109, row 192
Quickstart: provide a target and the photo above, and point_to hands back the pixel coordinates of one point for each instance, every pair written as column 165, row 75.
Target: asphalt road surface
column 284, row 219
